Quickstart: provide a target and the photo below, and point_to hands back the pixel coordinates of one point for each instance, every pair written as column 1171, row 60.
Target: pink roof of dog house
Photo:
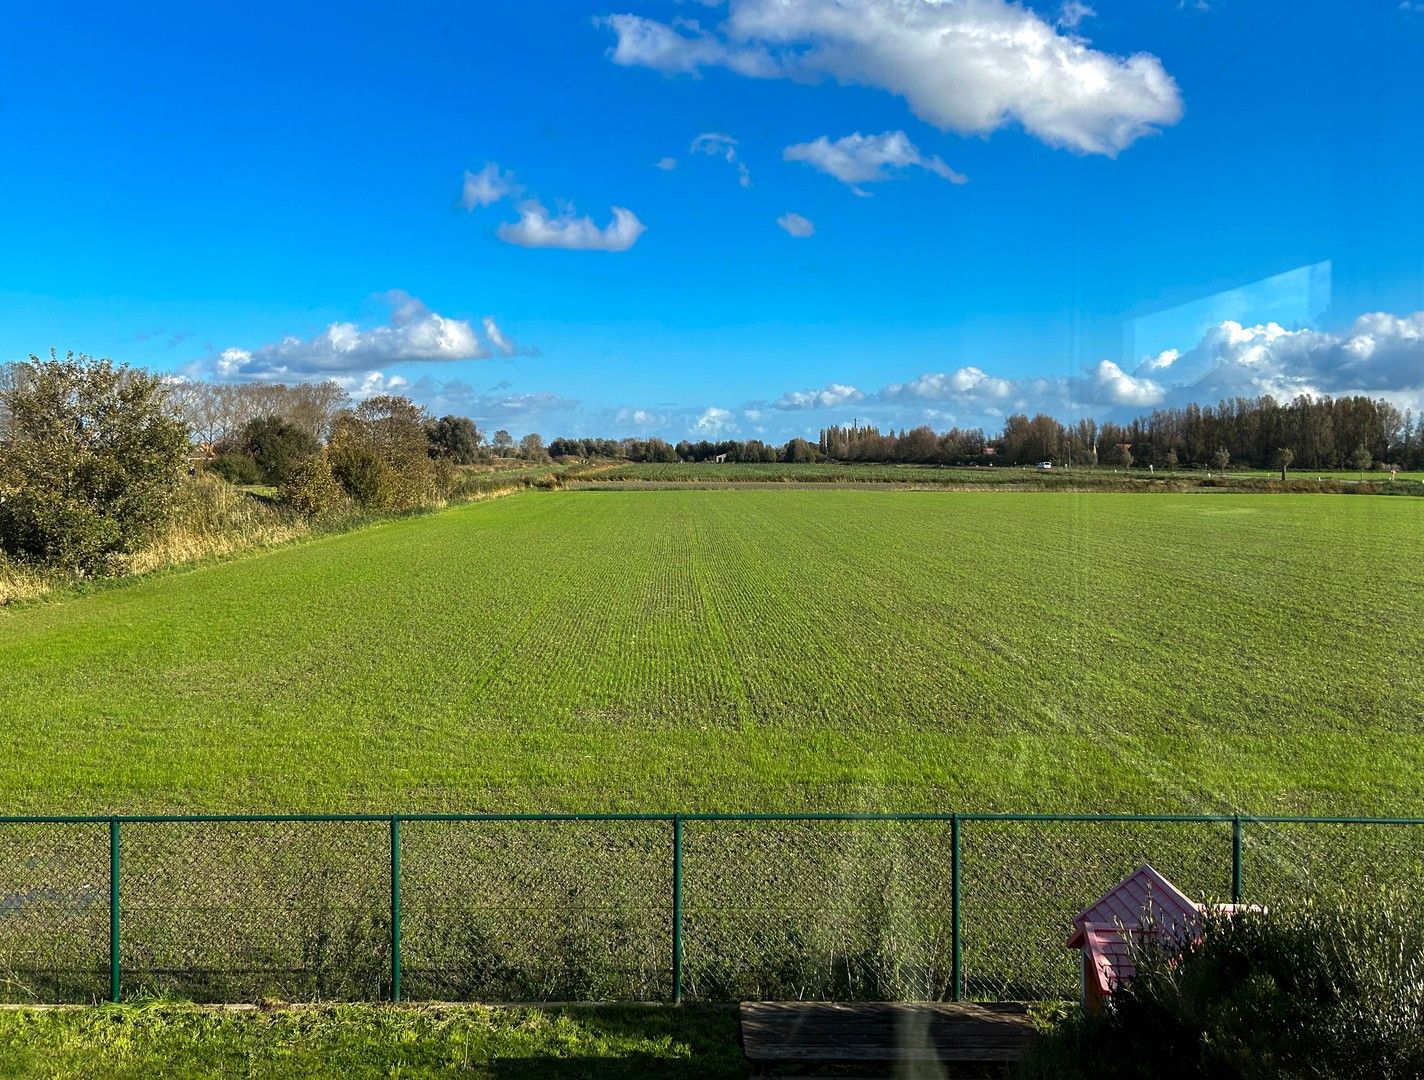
column 1105, row 931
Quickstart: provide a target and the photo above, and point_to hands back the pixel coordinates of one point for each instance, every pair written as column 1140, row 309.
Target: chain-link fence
column 620, row 907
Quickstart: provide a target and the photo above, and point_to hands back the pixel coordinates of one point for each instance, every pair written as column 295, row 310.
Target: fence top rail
column 791, row 818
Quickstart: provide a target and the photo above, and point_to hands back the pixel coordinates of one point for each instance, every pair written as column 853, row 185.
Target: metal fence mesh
column 1023, row 881
column 245, row 911
column 54, row 913
column 536, row 910
column 566, row 908
column 817, row 909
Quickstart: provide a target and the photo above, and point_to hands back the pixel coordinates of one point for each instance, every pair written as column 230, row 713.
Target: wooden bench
column 783, row 1035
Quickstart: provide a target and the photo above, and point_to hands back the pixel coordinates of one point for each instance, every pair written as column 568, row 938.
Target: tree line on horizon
column 93, row 454
column 1354, row 432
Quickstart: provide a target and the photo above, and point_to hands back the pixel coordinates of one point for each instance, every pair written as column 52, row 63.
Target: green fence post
column 115, row 986
column 677, row 909
column 1236, row 859
column 395, row 910
column 954, row 932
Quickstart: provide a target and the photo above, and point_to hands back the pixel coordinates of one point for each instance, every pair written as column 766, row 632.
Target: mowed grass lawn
column 750, row 650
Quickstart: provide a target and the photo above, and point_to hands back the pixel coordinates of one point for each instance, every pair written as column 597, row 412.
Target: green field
column 750, row 650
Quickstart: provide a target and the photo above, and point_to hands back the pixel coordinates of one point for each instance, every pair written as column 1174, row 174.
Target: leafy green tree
column 503, row 442
column 455, row 438
column 277, row 446
column 531, row 447
column 91, row 459
column 1284, row 456
column 1362, row 459
column 380, row 454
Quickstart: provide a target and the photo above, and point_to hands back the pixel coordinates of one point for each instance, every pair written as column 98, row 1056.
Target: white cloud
column 715, row 422
column 724, row 147
column 667, row 164
column 827, row 397
column 1113, row 386
column 798, row 226
column 414, row 334
column 486, row 187
column 966, row 382
column 536, row 228
column 684, row 49
column 1161, row 362
column 970, row 67
column 1071, row 13
column 863, row 159
column 502, row 344
column 1379, row 353
column 371, row 384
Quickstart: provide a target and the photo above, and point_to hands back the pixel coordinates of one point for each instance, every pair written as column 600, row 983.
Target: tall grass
column 215, row 519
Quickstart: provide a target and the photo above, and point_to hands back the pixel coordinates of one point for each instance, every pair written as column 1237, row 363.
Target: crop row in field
column 750, row 649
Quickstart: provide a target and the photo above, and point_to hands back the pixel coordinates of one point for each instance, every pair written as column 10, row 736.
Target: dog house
column 1142, row 907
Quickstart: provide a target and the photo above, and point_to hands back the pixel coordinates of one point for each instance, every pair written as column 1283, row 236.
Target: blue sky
column 1083, row 209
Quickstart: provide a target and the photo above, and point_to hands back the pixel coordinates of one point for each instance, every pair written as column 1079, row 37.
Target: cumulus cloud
column 1378, row 353
column 537, row 228
column 371, row 384
column 413, row 334
column 965, row 382
column 970, row 67
column 828, row 397
column 715, row 422
column 798, row 226
column 486, row 187
column 863, row 159
column 1114, row 386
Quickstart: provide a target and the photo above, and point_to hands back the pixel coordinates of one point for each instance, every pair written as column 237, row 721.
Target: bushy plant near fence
column 1329, row 987
column 624, row 907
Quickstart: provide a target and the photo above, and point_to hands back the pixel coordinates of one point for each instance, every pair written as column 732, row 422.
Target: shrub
column 311, row 490
column 380, row 454
column 361, row 474
column 1312, row 990
column 91, row 458
column 235, row 468
column 277, row 446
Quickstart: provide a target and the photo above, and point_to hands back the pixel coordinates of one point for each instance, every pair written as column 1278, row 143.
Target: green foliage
column 1221, row 459
column 235, row 468
column 380, row 455
column 169, row 1041
column 277, row 446
column 1298, row 991
column 1362, row 459
column 90, row 460
column 312, row 489
column 361, row 473
column 455, row 438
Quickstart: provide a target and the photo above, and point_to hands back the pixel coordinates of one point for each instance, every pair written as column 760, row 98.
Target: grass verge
column 160, row 1040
